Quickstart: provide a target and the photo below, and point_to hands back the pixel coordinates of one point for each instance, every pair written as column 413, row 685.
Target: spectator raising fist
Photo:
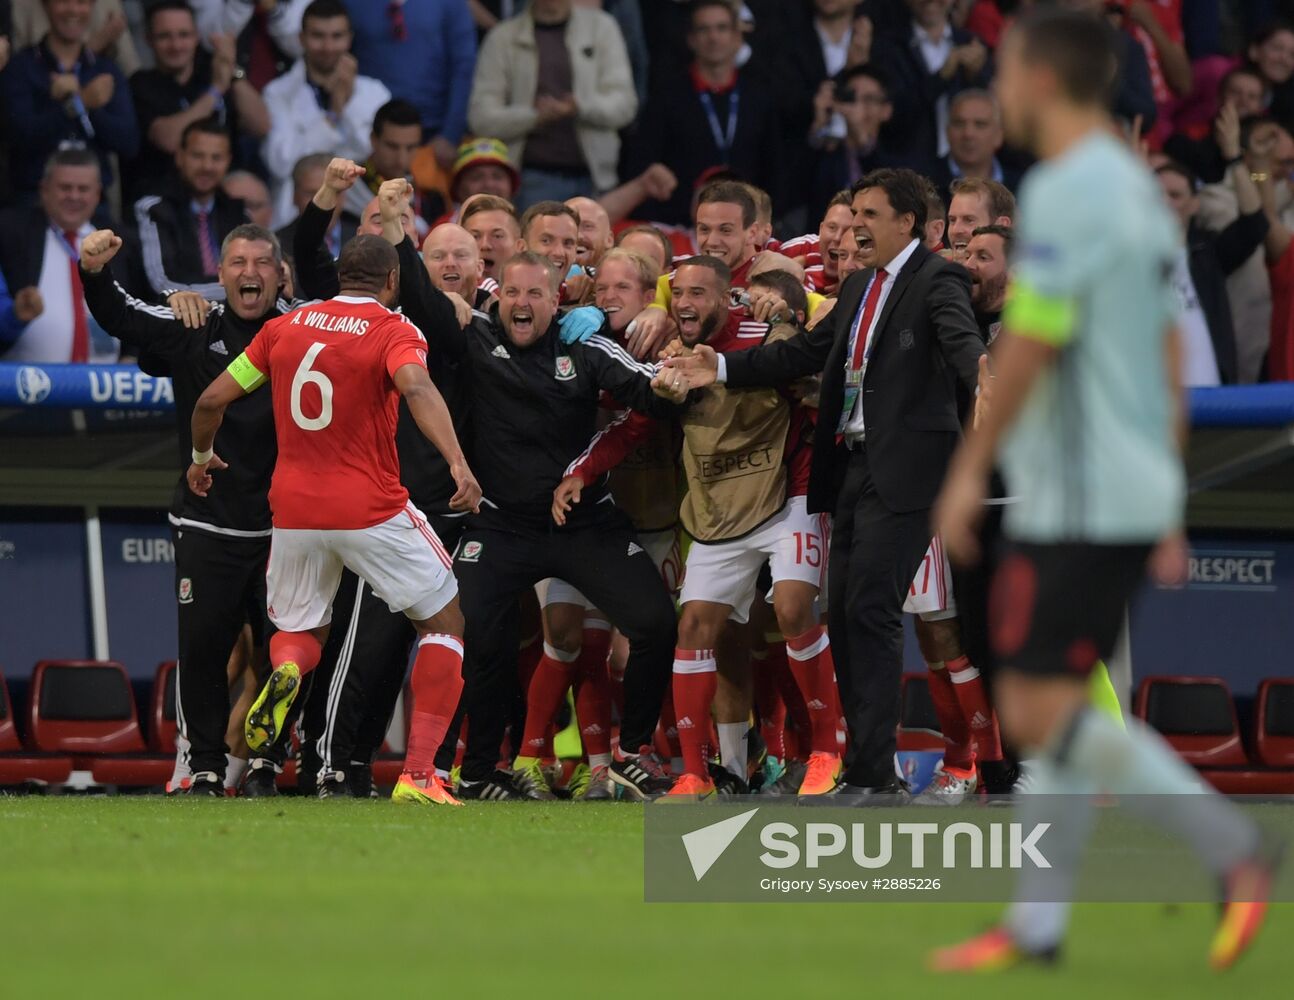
column 28, row 304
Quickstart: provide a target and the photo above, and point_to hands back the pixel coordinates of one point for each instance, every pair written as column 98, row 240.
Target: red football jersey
column 331, row 368
column 806, row 247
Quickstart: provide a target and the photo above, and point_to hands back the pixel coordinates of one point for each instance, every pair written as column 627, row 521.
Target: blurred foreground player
column 338, row 370
column 1083, row 411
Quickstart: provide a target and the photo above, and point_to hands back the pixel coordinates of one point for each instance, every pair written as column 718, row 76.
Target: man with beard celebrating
column 746, row 456
column 987, row 253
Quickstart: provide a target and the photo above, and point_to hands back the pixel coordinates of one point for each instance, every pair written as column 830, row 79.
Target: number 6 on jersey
column 306, row 375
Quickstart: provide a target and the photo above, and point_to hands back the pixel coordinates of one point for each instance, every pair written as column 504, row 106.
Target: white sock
column 732, row 747
column 1135, row 763
column 599, row 760
column 181, row 771
column 1040, row 914
column 234, row 769
column 442, row 774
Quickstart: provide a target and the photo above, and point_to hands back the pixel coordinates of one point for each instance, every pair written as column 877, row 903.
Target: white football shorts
column 402, row 559
column 931, row 593
column 793, row 542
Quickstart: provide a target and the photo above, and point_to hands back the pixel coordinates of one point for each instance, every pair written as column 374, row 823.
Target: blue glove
column 580, row 324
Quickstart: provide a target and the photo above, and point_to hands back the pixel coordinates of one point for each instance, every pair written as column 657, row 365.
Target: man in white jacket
column 321, row 104
column 554, row 84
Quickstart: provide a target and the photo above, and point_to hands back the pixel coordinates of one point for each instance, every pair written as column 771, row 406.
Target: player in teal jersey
column 1084, row 416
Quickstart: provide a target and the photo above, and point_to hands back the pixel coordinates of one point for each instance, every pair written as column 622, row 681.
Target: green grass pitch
column 146, row 897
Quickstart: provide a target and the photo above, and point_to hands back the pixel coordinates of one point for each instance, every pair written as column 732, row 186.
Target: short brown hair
column 785, row 284
column 256, row 234
column 699, row 5
column 763, row 201
column 486, row 203
column 1006, row 233
column 644, row 266
column 731, row 193
column 721, row 270
column 840, row 198
column 649, row 230
column 548, row 209
column 1001, row 202
column 530, row 258
column 1077, row 47
column 935, row 207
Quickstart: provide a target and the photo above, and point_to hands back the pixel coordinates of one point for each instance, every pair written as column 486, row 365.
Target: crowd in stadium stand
column 197, row 116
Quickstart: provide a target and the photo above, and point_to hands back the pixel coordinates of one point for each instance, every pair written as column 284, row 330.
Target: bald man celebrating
column 454, row 263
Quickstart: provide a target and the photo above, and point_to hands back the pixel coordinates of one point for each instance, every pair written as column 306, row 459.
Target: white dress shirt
column 47, row 339
column 1199, row 360
column 299, row 126
column 834, row 54
column 854, row 427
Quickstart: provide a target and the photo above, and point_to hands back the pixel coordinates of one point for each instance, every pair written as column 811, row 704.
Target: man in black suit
column 711, row 114
column 890, row 352
column 927, row 63
column 1204, row 262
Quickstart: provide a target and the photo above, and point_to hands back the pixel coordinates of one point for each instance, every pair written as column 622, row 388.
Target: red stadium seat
column 1244, row 781
column 1197, row 716
column 165, row 727
column 85, row 708
column 918, row 723
column 19, row 767
column 1274, row 738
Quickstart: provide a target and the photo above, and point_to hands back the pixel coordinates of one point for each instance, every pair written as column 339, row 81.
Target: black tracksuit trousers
column 220, row 586
column 497, row 559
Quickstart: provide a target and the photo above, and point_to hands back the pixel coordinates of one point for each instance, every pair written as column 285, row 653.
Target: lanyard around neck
column 722, row 140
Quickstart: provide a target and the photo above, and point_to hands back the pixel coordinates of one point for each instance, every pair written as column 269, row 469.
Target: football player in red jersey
column 338, row 370
column 820, row 253
column 747, row 467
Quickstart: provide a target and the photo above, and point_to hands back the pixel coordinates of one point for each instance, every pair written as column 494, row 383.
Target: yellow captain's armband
column 1045, row 318
column 246, row 374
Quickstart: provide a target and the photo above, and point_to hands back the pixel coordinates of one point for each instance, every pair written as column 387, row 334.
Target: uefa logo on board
column 33, row 385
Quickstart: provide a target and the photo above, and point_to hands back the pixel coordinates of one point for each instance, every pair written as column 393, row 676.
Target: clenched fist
column 28, row 304
column 98, row 248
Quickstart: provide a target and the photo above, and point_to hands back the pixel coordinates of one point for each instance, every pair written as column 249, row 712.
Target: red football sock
column 593, row 697
column 301, row 648
column 695, row 683
column 437, row 683
column 547, row 689
column 769, row 705
column 528, row 659
column 668, row 727
column 798, row 736
column 969, row 688
column 815, row 673
column 958, row 749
